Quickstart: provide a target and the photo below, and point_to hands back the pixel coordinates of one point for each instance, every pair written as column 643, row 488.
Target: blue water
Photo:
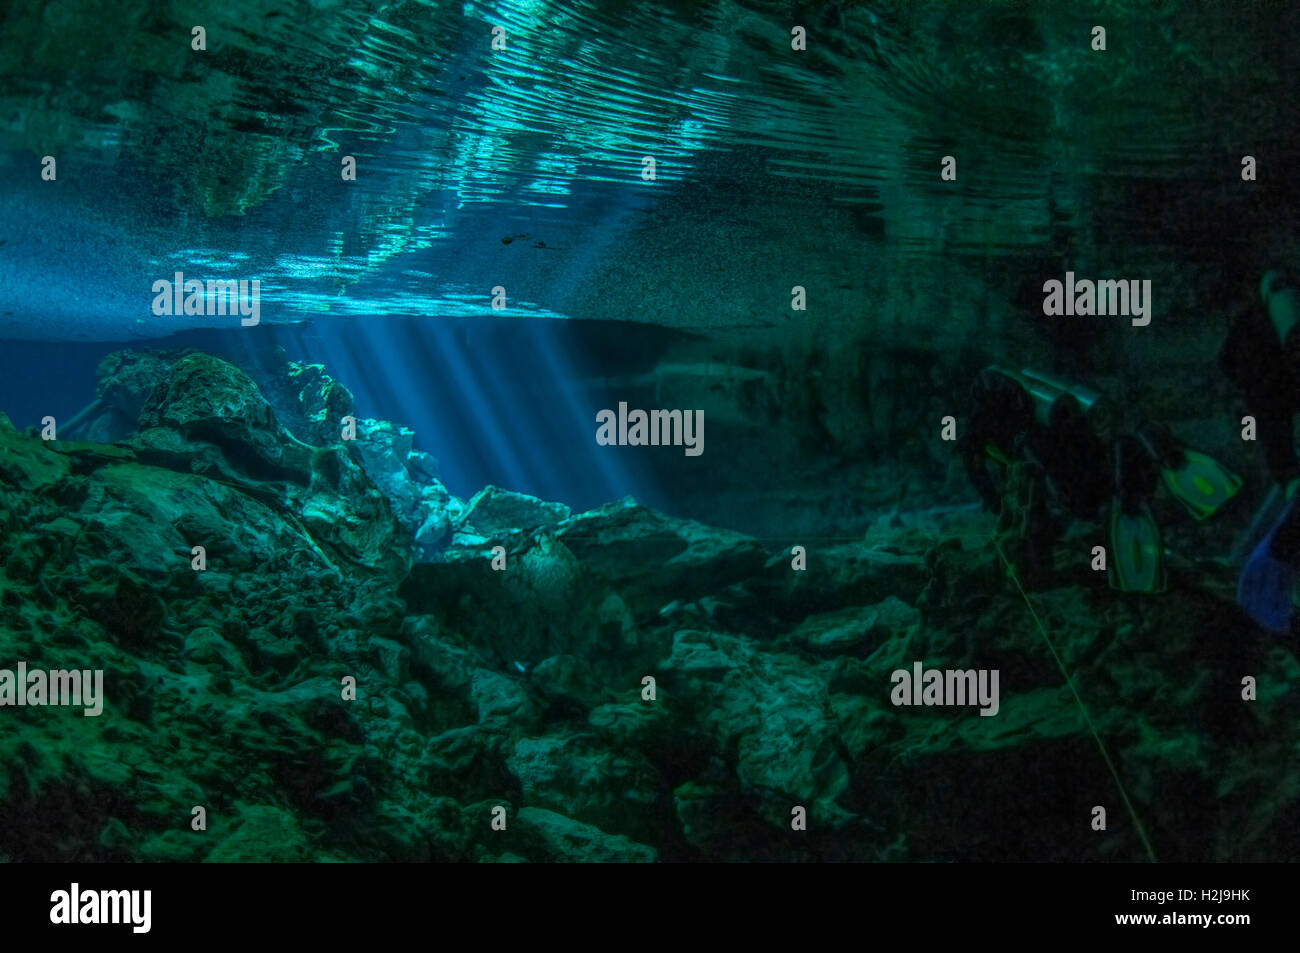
column 496, row 401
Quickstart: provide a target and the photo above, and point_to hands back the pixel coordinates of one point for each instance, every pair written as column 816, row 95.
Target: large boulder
column 205, row 400
column 208, row 417
column 123, row 382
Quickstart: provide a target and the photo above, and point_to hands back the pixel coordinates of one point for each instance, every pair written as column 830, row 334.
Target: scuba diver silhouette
column 1261, row 356
column 1056, row 460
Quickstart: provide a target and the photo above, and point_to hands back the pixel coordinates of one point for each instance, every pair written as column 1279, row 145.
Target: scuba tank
column 1053, row 397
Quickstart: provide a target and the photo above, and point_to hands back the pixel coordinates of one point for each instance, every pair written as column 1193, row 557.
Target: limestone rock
column 557, row 837
column 492, row 511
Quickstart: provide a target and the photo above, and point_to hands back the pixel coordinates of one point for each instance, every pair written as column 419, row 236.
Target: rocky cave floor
column 480, row 687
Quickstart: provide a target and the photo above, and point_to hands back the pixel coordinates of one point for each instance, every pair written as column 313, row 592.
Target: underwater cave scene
column 592, row 430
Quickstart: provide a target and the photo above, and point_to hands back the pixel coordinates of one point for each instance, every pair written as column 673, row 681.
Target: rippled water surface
column 523, row 166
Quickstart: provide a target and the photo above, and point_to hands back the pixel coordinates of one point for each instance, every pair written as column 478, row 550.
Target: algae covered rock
column 652, row 558
column 206, row 400
column 408, row 480
column 123, row 382
column 541, row 605
column 552, row 836
column 260, row 833
column 845, row 630
column 771, row 709
column 631, row 686
column 324, row 402
column 492, row 511
column 208, row 417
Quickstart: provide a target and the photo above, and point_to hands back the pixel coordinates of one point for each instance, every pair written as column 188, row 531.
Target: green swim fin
column 1137, row 551
column 1196, row 480
column 1202, row 485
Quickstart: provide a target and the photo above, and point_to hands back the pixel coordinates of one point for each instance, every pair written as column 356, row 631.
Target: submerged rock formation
column 622, row 684
column 300, row 408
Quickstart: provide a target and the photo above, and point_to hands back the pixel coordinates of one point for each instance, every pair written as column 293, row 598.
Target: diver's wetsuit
column 1002, row 415
column 1267, row 372
column 1072, row 462
column 1073, row 458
